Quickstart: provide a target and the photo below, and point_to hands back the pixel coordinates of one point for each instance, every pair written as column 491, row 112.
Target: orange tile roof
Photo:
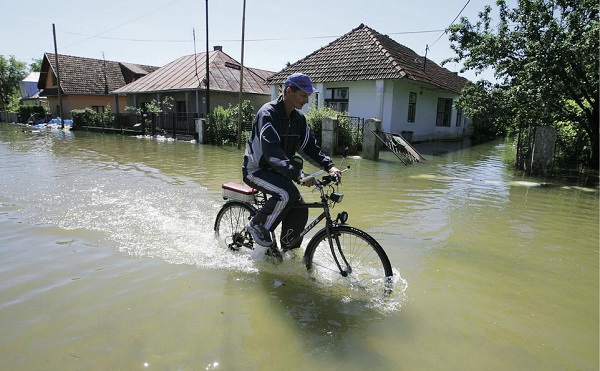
column 80, row 75
column 365, row 54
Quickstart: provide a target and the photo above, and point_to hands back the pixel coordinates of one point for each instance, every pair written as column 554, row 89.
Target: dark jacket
column 275, row 138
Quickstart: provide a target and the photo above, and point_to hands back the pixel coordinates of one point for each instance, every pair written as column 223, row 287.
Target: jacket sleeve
column 270, row 142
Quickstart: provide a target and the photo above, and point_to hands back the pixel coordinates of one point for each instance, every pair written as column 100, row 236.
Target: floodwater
column 108, row 261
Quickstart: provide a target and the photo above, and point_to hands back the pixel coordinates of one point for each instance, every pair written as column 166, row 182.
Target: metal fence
column 356, row 126
column 169, row 124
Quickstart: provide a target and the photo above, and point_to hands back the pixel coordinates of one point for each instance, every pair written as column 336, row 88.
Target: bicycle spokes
column 349, row 258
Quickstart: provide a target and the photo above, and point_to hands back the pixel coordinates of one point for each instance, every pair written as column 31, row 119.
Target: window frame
column 443, row 116
column 338, row 98
column 412, row 107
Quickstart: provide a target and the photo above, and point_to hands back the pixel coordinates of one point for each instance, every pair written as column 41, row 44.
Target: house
column 184, row 79
column 86, row 82
column 369, row 75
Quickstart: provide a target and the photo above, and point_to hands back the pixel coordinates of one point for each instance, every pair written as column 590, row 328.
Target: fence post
column 201, row 130
column 329, row 131
column 154, row 116
column 174, row 122
column 370, row 141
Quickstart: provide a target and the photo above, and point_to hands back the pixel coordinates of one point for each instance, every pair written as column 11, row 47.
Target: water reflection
column 322, row 322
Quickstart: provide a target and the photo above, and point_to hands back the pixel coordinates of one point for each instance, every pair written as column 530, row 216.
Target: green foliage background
column 545, row 57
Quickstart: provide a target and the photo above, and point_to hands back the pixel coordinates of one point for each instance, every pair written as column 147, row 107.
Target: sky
column 156, row 32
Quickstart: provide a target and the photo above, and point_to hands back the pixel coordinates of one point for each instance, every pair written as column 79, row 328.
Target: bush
column 89, row 117
column 247, row 114
column 348, row 133
column 25, row 112
column 314, row 118
column 223, row 123
column 85, row 117
column 572, row 145
column 220, row 126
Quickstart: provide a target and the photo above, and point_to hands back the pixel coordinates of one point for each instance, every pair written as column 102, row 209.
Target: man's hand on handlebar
column 309, row 180
column 336, row 173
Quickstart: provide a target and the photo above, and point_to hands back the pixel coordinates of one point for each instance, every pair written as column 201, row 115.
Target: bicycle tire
column 230, row 226
column 368, row 272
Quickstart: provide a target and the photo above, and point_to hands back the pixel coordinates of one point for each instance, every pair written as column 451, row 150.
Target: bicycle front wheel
column 230, row 225
column 353, row 260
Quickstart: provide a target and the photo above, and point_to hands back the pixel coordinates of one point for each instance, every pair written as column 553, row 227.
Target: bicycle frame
column 313, row 205
column 329, row 223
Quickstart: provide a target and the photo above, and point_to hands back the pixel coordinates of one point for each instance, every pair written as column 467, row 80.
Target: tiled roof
column 365, row 54
column 90, row 76
column 187, row 72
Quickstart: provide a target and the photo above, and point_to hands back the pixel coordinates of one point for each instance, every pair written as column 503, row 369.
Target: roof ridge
column 326, row 46
column 375, row 35
column 94, row 59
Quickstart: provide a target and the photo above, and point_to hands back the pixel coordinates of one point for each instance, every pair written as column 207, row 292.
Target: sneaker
column 259, row 234
column 274, row 252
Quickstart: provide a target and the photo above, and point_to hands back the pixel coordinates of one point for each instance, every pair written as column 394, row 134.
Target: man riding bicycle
column 279, row 130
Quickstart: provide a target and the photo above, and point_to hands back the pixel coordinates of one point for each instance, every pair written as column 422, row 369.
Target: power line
column 451, row 23
column 120, row 39
column 97, row 36
column 123, row 24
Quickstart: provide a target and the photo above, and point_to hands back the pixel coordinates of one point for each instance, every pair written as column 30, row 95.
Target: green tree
column 149, row 110
column 545, row 57
column 247, row 113
column 11, row 73
column 36, row 65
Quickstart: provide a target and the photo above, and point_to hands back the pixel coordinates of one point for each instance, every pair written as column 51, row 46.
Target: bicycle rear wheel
column 365, row 267
column 230, row 226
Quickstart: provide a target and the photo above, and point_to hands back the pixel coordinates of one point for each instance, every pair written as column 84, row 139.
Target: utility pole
column 207, row 77
column 239, row 131
column 60, row 105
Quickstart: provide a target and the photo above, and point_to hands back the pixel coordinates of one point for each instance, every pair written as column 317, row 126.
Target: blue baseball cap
column 300, row 81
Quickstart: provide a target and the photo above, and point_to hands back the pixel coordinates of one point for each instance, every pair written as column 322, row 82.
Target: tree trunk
column 593, row 134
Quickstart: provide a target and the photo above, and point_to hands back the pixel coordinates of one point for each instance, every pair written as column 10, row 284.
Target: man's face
column 298, row 98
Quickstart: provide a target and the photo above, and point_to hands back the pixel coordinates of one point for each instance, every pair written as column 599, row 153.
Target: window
column 98, row 109
column 412, row 106
column 444, row 111
column 459, row 118
column 337, row 98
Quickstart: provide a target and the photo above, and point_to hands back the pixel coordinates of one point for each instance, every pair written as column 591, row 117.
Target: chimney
column 218, row 48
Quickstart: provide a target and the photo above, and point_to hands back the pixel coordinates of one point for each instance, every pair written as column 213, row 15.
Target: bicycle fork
column 334, row 244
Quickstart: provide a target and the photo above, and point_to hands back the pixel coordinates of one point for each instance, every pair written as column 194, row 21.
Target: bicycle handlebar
column 307, row 177
column 326, row 179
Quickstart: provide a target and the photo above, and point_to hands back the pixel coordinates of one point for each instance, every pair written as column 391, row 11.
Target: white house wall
column 364, row 102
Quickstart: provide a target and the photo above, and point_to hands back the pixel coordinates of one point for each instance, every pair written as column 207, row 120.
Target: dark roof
column 90, row 76
column 365, row 54
column 187, row 73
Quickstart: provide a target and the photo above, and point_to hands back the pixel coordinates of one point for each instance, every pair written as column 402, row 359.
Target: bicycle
column 336, row 254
